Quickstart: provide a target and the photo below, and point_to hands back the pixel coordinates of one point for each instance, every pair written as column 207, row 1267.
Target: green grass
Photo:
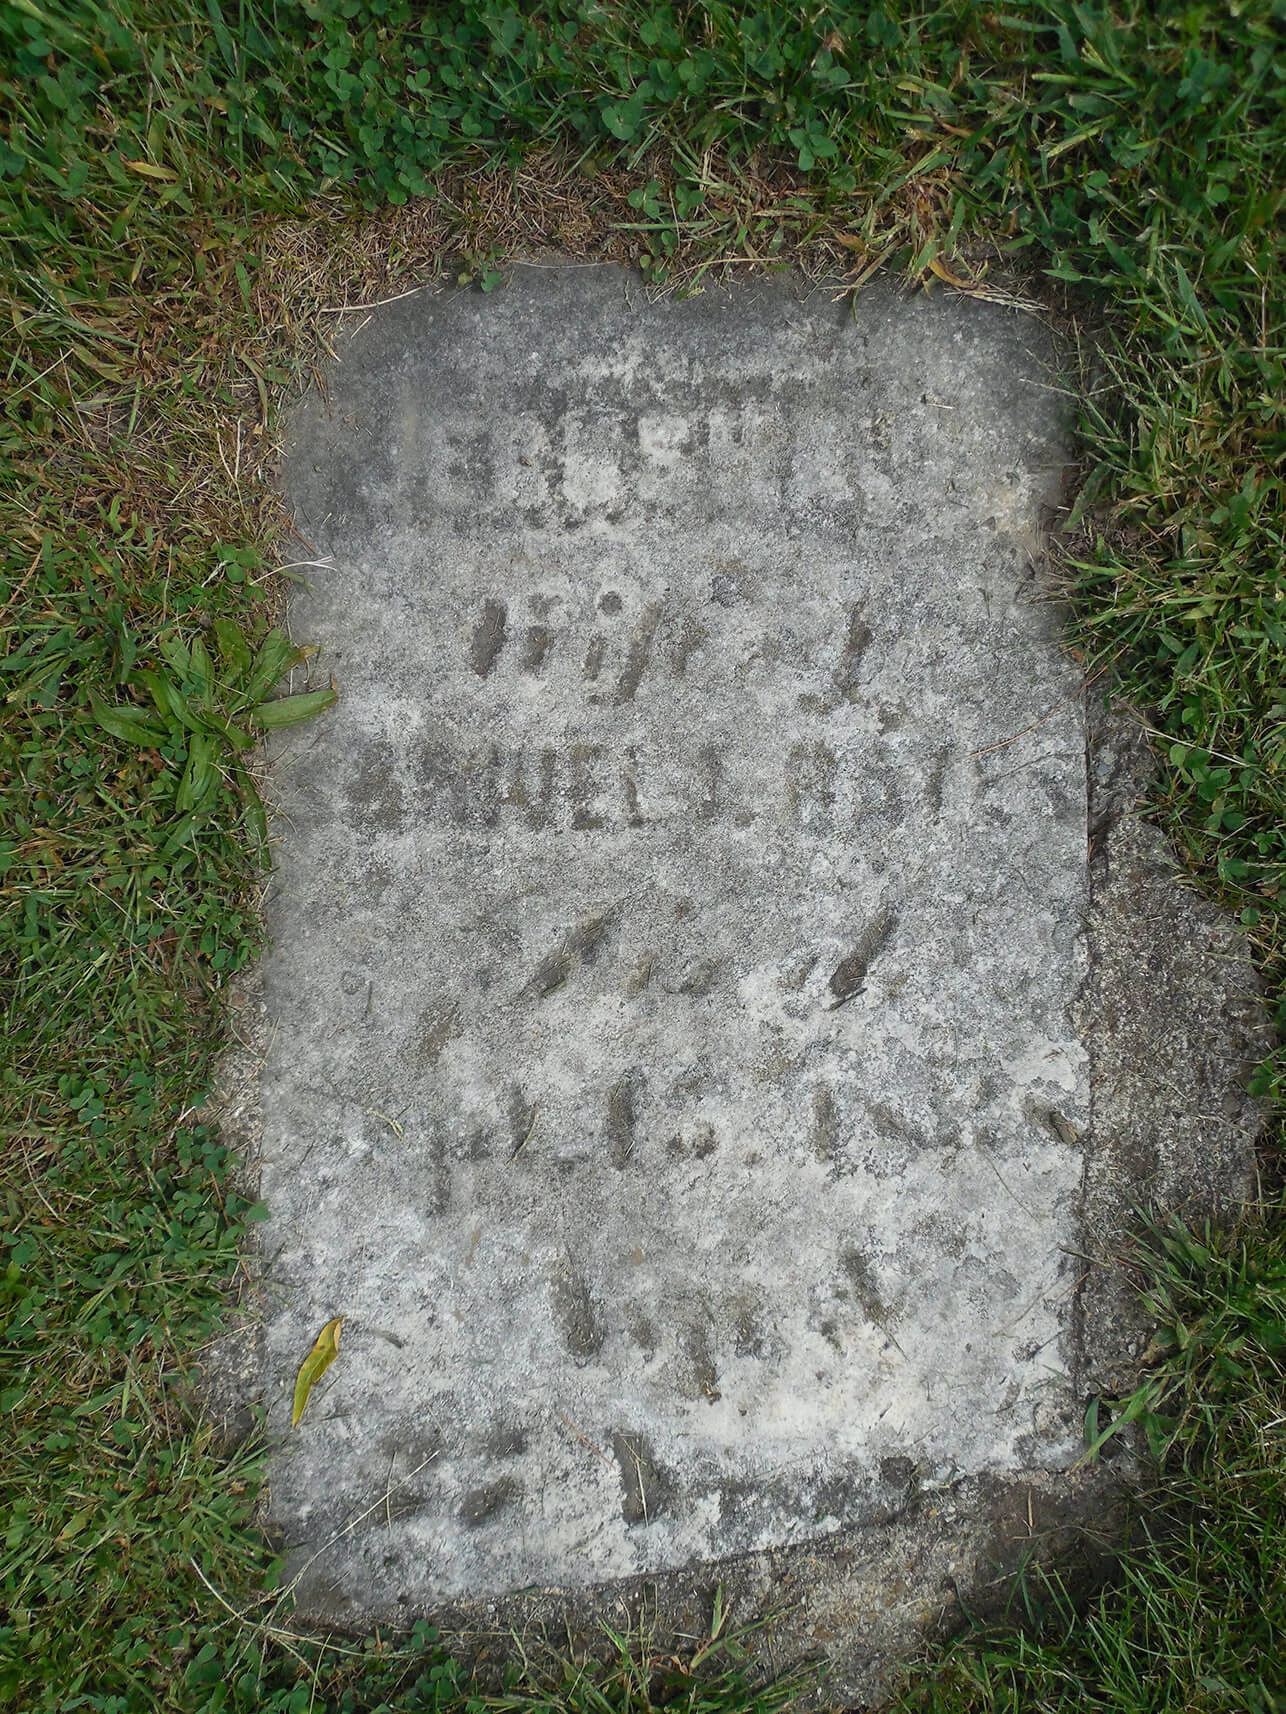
column 1194, row 1620
column 182, row 183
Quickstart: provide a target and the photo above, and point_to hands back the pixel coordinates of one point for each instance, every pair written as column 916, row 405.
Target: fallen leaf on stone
column 315, row 1365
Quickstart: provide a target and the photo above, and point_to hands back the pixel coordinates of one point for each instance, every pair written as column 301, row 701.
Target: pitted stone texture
column 675, row 930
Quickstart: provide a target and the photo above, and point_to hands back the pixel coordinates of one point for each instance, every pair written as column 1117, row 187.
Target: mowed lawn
column 188, row 190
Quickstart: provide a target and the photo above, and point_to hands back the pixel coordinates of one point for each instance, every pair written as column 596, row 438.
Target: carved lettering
column 636, row 662
column 488, row 637
column 585, row 787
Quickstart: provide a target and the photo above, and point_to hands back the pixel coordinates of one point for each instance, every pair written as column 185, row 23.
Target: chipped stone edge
column 1173, row 1010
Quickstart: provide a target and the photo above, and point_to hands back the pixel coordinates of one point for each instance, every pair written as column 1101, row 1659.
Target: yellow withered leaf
column 165, row 174
column 941, row 269
column 315, row 1364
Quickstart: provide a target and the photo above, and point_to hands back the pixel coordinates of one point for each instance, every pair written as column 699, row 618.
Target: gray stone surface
column 679, row 1031
column 1172, row 1012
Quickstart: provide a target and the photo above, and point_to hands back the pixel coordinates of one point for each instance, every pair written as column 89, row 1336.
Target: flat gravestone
column 673, row 1076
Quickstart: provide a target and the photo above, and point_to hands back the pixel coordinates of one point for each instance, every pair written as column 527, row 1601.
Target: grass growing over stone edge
column 182, row 189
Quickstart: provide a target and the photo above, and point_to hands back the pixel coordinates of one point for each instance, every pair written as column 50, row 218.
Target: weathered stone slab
column 675, row 1074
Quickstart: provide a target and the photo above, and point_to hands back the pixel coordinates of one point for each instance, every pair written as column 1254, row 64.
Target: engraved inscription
column 488, row 638
column 622, row 1114
column 856, row 643
column 677, row 915
column 849, row 976
column 577, row 946
column 640, row 653
column 588, row 787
